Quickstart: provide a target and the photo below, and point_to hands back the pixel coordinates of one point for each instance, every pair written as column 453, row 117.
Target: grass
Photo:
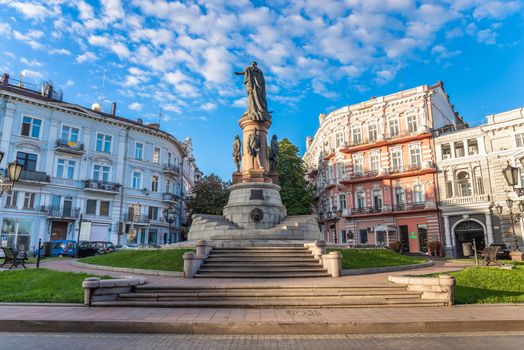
column 42, row 286
column 32, row 260
column 355, row 258
column 161, row 259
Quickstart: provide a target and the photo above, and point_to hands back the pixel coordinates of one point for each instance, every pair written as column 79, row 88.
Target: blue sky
column 177, row 59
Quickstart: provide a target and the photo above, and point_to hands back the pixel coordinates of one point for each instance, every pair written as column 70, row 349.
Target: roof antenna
column 159, row 117
column 102, row 97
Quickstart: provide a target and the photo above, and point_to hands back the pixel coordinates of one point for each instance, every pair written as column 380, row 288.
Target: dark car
column 102, row 247
column 87, row 249
column 503, row 252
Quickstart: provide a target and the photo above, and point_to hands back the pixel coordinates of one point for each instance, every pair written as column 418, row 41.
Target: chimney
column 113, row 108
column 5, row 80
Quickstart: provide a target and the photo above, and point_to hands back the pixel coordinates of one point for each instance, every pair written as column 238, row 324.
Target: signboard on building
column 412, row 235
column 85, row 231
column 4, row 241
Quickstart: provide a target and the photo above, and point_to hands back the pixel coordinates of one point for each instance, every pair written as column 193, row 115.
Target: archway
column 466, row 231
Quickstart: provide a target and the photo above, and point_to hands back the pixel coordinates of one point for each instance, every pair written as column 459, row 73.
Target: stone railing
column 193, row 261
column 479, row 198
column 96, row 289
column 332, row 262
column 435, row 288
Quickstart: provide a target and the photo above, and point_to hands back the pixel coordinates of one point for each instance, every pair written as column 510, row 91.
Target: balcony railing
column 365, row 139
column 60, row 212
column 389, row 208
column 37, row 176
column 170, row 197
column 172, row 168
column 479, row 198
column 66, row 145
column 136, row 218
column 100, row 185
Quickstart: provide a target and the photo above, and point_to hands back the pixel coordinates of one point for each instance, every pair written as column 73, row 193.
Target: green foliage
column 41, row 286
column 486, row 285
column 161, row 259
column 209, row 196
column 296, row 193
column 354, row 258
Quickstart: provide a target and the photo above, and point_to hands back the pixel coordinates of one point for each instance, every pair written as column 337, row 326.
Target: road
column 106, row 341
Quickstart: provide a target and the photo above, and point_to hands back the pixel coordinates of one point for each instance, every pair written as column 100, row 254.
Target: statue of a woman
column 273, row 154
column 256, row 93
column 237, row 152
column 254, row 145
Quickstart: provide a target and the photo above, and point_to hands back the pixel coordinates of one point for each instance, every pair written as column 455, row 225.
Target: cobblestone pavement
column 105, row 341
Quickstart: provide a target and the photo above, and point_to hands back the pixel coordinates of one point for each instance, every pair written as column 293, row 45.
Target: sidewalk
column 32, row 318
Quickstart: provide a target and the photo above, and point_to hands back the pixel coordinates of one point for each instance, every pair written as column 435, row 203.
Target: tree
column 209, row 196
column 296, row 192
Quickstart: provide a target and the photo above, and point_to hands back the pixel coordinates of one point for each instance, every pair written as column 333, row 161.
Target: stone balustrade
column 96, row 289
column 193, row 261
column 332, row 262
column 435, row 288
column 480, row 198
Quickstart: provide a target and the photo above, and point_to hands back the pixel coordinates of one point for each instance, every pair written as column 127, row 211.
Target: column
column 489, row 228
column 450, row 252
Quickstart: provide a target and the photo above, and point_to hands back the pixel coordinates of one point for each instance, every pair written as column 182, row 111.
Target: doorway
column 466, row 232
column 58, row 230
column 404, row 238
column 423, row 238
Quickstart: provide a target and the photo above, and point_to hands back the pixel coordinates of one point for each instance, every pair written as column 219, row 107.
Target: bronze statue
column 254, row 146
column 237, row 152
column 273, row 154
column 256, row 93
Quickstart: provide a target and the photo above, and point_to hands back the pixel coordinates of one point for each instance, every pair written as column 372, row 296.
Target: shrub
column 435, row 248
column 395, row 246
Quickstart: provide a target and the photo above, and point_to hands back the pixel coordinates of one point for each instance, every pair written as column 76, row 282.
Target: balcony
column 64, row 145
column 390, row 209
column 170, row 197
column 34, row 176
column 101, row 186
column 386, row 173
column 388, row 139
column 136, row 218
column 60, row 212
column 171, row 169
column 460, row 201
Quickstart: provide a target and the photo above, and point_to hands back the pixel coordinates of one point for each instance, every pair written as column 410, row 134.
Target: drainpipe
column 123, row 184
column 179, row 234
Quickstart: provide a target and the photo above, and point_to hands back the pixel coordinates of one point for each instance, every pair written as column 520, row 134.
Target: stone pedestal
column 255, row 205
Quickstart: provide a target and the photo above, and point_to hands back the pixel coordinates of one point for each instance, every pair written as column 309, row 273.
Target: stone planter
column 516, row 255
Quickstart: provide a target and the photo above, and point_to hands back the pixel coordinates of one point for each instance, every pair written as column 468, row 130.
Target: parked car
column 87, row 249
column 503, row 252
column 101, row 247
column 126, row 246
column 63, row 248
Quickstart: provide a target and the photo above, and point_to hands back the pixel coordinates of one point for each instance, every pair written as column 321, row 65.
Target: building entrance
column 466, row 232
column 404, row 238
column 58, row 230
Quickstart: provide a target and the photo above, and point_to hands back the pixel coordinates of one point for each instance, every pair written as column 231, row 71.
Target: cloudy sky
column 174, row 61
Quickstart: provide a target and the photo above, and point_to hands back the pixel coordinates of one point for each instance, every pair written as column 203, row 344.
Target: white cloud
column 10, row 54
column 112, row 10
column 32, row 74
column 30, row 10
column 443, row 53
column 119, row 48
column 69, row 83
column 241, row 102
column 60, row 51
column 32, row 63
column 31, row 38
column 172, row 108
column 86, row 57
column 209, row 106
column 135, row 106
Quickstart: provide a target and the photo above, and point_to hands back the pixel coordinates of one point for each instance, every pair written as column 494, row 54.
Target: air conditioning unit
column 446, row 156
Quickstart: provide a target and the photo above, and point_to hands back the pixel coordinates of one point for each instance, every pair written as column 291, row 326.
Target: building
column 115, row 174
column 373, row 166
column 471, row 184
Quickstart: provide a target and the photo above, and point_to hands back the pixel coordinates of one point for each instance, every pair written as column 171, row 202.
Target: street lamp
column 516, row 253
column 169, row 216
column 511, row 175
column 14, row 170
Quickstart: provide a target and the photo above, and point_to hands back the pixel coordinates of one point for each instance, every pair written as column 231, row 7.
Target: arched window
column 418, row 193
column 464, row 183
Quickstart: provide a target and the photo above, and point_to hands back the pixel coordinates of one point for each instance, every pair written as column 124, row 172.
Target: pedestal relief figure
column 256, row 93
column 254, row 149
column 273, row 154
column 237, row 152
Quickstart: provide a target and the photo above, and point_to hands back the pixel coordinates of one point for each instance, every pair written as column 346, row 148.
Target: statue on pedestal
column 237, row 152
column 254, row 145
column 256, row 93
column 273, row 154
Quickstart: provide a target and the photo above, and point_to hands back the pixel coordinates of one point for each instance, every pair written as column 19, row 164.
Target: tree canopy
column 209, row 196
column 296, row 192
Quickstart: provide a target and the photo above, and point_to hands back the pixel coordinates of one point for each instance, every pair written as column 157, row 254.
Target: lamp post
column 14, row 170
column 335, row 215
column 169, row 216
column 516, row 253
column 511, row 174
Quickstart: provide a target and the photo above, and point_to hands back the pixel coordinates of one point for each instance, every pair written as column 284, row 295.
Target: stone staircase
column 261, row 262
column 271, row 297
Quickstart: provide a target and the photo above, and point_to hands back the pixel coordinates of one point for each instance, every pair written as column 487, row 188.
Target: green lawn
column 364, row 258
column 161, row 259
column 484, row 285
column 32, row 260
column 41, row 286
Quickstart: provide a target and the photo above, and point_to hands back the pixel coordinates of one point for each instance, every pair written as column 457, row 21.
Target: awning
column 385, row 228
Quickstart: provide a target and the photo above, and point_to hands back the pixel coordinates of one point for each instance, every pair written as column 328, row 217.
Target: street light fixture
column 511, row 175
column 516, row 253
column 14, row 171
column 169, row 216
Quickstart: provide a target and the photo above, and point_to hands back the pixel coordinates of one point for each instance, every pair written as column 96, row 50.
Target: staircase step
column 262, row 275
column 260, row 264
column 258, row 295
column 260, row 270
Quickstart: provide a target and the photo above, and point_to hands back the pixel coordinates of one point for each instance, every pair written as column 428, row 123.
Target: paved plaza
column 445, row 341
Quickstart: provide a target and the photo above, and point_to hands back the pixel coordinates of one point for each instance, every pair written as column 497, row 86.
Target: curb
column 129, row 270
column 67, row 326
column 353, row 272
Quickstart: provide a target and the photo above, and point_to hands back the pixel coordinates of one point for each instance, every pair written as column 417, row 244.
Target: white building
column 117, row 174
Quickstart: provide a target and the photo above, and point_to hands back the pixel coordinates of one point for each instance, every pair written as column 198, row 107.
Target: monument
column 254, row 210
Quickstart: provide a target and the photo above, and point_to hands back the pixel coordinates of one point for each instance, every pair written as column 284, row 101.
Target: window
column 341, row 169
column 363, row 235
column 104, row 208
column 137, row 180
column 101, row 172
column 10, row 199
column 400, row 197
column 339, row 139
column 31, row 127
column 103, row 143
column 464, row 184
column 473, row 147
column 169, row 158
column 153, row 213
column 91, row 207
column 446, row 151
column 377, row 199
column 374, row 163
column 412, row 123
column 358, row 165
column 27, row 160
column 519, row 138
column 139, row 150
column 478, row 180
column 29, row 200
column 396, row 159
column 65, row 168
column 394, row 130
column 342, row 201
column 360, row 199
column 357, row 136
column 459, row 149
column 416, row 157
column 418, row 193
column 154, row 184
column 70, row 134
column 372, row 132
column 168, row 186
column 449, row 185
column 156, row 155
column 17, row 232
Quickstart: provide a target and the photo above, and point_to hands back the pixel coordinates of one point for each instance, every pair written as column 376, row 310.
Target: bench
column 13, row 258
column 489, row 254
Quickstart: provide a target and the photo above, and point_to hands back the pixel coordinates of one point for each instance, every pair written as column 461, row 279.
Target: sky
column 174, row 62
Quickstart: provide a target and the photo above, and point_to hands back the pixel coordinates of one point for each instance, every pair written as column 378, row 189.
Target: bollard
column 332, row 262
